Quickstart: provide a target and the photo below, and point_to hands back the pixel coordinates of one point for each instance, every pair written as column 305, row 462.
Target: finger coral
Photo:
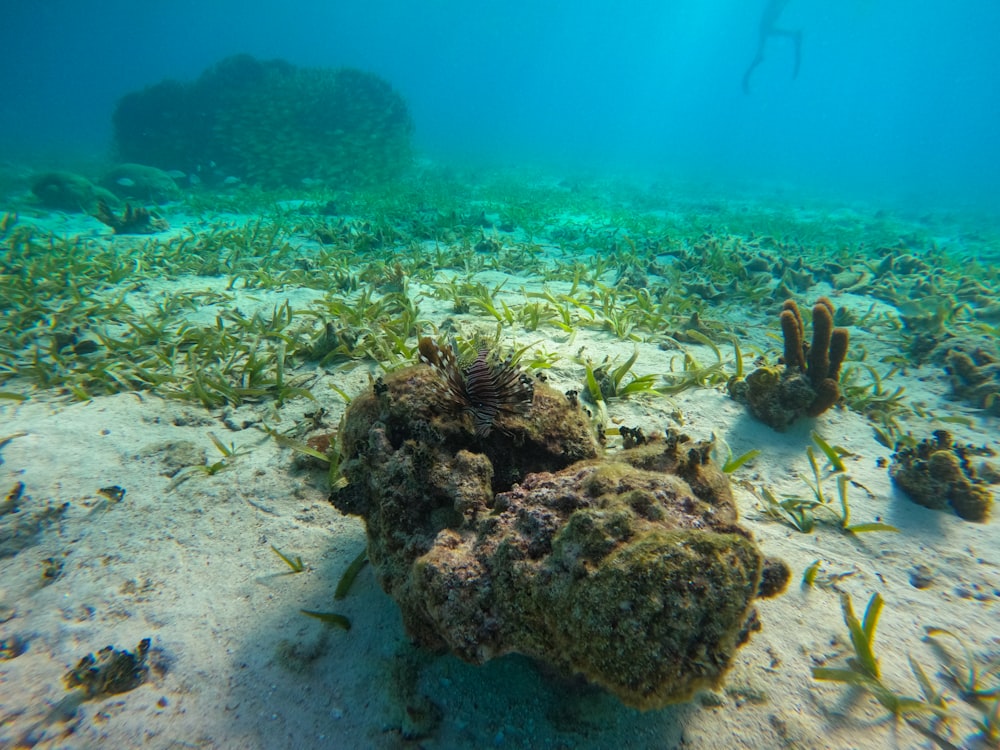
column 807, row 383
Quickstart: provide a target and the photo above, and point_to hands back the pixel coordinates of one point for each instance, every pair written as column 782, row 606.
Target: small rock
column 921, row 577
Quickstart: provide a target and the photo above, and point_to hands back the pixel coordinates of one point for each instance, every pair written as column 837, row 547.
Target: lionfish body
column 484, row 388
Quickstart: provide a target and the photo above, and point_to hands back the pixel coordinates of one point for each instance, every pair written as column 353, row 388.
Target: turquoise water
column 623, row 198
column 893, row 100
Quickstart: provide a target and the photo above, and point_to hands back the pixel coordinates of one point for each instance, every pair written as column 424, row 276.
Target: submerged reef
column 270, row 123
column 631, row 571
column 140, row 182
column 807, row 383
column 938, row 473
column 68, row 191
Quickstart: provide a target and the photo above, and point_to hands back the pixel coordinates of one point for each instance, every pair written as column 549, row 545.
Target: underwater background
column 894, row 99
column 440, row 374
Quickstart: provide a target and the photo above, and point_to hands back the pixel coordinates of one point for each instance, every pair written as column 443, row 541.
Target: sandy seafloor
column 235, row 665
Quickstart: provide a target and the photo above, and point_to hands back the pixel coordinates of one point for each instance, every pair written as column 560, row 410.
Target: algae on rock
column 938, row 473
column 632, row 572
column 974, row 372
column 69, row 191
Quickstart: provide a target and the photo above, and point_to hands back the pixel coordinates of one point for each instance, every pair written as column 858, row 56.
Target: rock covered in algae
column 938, row 473
column 141, row 182
column 269, row 122
column 775, row 395
column 974, row 372
column 69, row 191
column 632, row 572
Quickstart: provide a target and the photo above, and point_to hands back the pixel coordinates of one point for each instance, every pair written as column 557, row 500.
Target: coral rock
column 139, row 182
column 69, row 191
column 808, row 383
column 632, row 572
column 975, row 377
column 937, row 473
column 110, row 672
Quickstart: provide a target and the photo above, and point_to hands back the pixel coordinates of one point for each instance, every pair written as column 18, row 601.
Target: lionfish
column 483, row 388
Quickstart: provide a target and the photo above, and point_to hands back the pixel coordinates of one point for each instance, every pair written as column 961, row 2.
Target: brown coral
column 793, row 332
column 132, row 221
column 937, row 473
column 808, row 383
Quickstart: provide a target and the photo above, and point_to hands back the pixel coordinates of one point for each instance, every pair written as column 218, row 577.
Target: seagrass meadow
column 173, row 406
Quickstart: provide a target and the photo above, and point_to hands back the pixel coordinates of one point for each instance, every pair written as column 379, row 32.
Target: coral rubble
column 270, row 123
column 632, row 572
column 110, row 672
column 937, row 473
column 22, row 520
column 807, row 384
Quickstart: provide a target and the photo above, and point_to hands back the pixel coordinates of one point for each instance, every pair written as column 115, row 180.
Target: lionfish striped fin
column 484, row 388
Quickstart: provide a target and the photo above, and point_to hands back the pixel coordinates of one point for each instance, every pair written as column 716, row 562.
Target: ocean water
column 618, row 213
column 893, row 100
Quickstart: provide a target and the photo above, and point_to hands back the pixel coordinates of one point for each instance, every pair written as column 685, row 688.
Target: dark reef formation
column 142, row 183
column 633, row 572
column 807, row 383
column 270, row 123
column 68, row 191
column 938, row 473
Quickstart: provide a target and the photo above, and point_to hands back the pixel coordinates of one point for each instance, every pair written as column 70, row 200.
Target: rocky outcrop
column 632, row 572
